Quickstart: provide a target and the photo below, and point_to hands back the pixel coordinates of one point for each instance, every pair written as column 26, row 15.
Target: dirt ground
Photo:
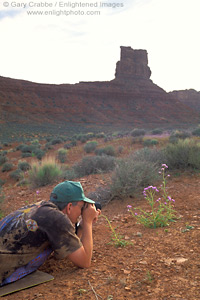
column 158, row 264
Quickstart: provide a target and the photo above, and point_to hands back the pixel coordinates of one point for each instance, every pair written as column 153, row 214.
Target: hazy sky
column 57, row 42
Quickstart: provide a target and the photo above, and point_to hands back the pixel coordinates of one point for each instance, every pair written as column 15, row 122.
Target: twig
column 96, row 296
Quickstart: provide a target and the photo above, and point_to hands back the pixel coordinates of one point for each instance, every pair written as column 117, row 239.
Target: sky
column 61, row 41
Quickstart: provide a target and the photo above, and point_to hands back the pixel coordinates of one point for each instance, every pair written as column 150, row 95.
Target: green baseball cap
column 69, row 191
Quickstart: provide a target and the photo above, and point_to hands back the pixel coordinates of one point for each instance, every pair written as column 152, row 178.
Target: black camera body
column 97, row 205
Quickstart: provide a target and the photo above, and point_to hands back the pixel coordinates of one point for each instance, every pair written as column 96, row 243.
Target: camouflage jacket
column 30, row 230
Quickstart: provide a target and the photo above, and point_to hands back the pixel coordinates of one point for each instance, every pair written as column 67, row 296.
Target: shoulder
column 48, row 215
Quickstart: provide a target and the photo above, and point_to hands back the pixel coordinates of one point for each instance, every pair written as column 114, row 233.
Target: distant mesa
column 133, row 65
column 130, row 99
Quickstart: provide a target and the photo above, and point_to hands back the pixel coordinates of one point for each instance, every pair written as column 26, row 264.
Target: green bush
column 3, row 159
column 196, row 131
column 179, row 134
column 138, row 132
column 149, row 142
column 27, row 154
column 1, row 182
column 183, row 155
column 108, row 150
column 24, row 166
column 56, row 141
column 100, row 135
column 90, row 146
column 149, row 155
column 120, row 149
column 44, row 173
column 157, row 131
column 69, row 174
column 39, row 153
column 62, row 155
column 17, row 174
column 7, row 167
column 28, row 148
column 131, row 175
column 20, row 147
column 94, row 164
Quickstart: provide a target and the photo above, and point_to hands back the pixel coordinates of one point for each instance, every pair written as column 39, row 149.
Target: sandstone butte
column 130, row 99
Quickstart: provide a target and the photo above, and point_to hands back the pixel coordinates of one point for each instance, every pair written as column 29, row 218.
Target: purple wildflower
column 129, row 206
column 169, row 198
column 165, row 203
column 173, row 200
column 37, row 192
column 135, row 214
column 168, row 175
column 165, row 166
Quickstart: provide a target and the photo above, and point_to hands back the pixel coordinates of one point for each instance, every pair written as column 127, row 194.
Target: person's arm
column 82, row 257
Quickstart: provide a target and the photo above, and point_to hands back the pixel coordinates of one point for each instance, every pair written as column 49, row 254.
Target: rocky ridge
column 130, row 99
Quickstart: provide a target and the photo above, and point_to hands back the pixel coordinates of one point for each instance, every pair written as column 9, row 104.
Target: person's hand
column 97, row 215
column 89, row 213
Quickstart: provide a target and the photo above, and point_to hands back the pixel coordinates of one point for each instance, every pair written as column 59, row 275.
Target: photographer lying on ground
column 30, row 234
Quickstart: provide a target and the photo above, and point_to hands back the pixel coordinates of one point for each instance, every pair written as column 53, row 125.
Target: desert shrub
column 7, row 167
column 17, row 174
column 131, row 175
column 149, row 155
column 67, row 146
column 90, row 146
column 196, row 131
column 100, row 135
column 94, row 164
column 35, row 142
column 108, row 150
column 138, row 132
column 157, row 131
column 73, row 143
column 182, row 155
column 24, row 166
column 3, row 159
column 48, row 146
column 90, row 135
column 56, row 141
column 62, row 155
column 83, row 139
column 178, row 134
column 120, row 149
column 5, row 144
column 149, row 142
column 69, row 174
column 2, row 182
column 39, row 153
column 19, row 147
column 27, row 154
column 28, row 148
column 44, row 173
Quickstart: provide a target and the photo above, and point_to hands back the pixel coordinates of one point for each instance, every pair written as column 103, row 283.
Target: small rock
column 139, row 234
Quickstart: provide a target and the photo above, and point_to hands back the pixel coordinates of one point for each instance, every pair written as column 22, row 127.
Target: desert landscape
column 115, row 137
column 149, row 263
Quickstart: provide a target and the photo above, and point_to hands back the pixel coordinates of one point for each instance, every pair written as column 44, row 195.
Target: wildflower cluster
column 161, row 207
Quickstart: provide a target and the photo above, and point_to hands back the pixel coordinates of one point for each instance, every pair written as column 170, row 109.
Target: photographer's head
column 69, row 197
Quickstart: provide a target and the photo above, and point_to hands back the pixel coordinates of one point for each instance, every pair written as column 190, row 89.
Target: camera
column 97, row 205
